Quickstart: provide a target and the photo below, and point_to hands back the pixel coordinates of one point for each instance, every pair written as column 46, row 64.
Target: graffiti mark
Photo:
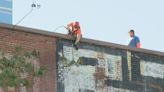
column 86, row 90
column 88, row 61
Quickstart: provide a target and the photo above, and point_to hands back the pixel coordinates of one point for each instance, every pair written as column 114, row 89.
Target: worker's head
column 131, row 33
column 76, row 25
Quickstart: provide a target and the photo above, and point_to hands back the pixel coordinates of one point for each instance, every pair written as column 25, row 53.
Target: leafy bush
column 13, row 67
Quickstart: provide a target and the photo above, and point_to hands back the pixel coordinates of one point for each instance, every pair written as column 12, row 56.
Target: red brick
column 30, row 41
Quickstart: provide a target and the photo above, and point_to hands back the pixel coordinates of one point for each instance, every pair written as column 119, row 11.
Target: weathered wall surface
column 100, row 69
column 29, row 41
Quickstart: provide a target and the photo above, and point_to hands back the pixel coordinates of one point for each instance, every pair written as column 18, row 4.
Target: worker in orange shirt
column 74, row 30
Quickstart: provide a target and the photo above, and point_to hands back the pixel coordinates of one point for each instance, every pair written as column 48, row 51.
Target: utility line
column 33, row 5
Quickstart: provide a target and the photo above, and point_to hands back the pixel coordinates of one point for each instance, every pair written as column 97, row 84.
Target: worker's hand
column 67, row 28
column 75, row 43
column 69, row 32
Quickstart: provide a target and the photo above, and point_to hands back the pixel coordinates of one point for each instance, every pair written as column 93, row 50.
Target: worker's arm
column 69, row 25
column 78, row 37
column 69, row 28
column 138, row 45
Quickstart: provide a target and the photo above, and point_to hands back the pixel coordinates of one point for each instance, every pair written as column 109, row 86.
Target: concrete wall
column 105, row 69
column 96, row 67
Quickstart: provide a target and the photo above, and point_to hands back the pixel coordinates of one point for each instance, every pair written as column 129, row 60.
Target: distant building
column 6, row 11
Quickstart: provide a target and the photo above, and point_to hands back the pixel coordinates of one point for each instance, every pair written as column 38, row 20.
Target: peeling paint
column 129, row 65
column 152, row 69
column 97, row 69
column 83, row 74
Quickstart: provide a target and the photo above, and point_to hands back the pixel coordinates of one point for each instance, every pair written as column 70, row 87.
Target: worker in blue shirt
column 135, row 41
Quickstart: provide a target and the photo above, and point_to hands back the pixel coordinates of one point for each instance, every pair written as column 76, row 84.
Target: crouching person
column 74, row 30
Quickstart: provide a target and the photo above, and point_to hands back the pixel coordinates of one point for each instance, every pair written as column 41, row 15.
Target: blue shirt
column 134, row 41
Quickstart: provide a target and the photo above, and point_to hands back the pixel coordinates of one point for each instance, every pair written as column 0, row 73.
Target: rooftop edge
column 85, row 40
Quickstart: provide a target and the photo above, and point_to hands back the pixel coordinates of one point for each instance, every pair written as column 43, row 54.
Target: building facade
column 96, row 67
column 6, row 11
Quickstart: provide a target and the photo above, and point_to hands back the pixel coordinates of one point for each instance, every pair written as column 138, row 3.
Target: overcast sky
column 106, row 20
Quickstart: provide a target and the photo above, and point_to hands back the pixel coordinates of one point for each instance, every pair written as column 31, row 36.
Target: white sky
column 106, row 20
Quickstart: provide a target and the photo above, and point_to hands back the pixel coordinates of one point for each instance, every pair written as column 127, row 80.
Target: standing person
column 75, row 31
column 135, row 41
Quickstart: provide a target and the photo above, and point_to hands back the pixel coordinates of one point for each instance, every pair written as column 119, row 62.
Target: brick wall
column 9, row 39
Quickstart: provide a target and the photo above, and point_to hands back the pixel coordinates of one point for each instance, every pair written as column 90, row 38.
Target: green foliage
column 34, row 53
column 18, row 49
column 13, row 67
column 40, row 71
column 7, row 77
column 24, row 82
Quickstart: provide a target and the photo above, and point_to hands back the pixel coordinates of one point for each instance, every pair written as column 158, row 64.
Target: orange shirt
column 73, row 24
column 77, row 32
